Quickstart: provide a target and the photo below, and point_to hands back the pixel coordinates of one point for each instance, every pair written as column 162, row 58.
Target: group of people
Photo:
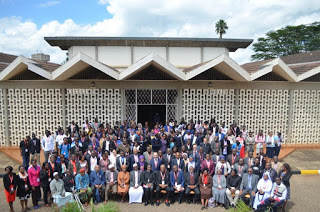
column 201, row 161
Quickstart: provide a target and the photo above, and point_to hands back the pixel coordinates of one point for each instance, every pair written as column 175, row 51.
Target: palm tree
column 221, row 27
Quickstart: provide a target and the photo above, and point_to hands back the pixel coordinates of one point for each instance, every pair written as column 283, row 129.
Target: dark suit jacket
column 34, row 148
column 206, row 148
column 132, row 178
column 73, row 150
column 214, row 158
column 153, row 167
column 145, row 175
column 246, row 161
column 228, row 147
column 244, row 182
column 187, row 178
column 166, row 162
column 118, row 164
column 175, row 162
column 89, row 164
column 180, row 179
column 159, row 178
column 131, row 160
column 235, row 161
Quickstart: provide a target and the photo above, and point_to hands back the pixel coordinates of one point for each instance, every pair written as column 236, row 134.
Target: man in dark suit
column 177, row 184
column 35, row 147
column 233, row 158
column 272, row 173
column 155, row 162
column 200, row 156
column 248, row 185
column 194, row 152
column 133, row 158
column 122, row 160
column 206, row 146
column 249, row 161
column 163, row 183
column 197, row 139
column 76, row 147
column 167, row 158
column 178, row 161
column 192, row 184
column 216, row 156
column 225, row 147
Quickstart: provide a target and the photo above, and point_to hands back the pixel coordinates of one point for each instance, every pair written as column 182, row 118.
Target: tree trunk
column 220, row 35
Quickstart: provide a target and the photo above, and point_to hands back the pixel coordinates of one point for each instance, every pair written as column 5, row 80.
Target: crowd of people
column 199, row 162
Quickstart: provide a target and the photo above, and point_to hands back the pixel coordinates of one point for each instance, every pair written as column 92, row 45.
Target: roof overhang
column 277, row 66
column 309, row 73
column 77, row 64
column 20, row 64
column 66, row 42
column 156, row 61
column 225, row 65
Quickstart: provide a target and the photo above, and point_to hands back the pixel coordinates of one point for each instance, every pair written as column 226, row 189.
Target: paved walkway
column 304, row 159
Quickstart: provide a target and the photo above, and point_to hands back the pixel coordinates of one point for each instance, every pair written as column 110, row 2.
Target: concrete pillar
column 96, row 53
column 132, row 55
column 123, row 104
column 167, row 53
column 180, row 103
column 236, row 105
column 290, row 113
column 64, row 109
column 6, row 116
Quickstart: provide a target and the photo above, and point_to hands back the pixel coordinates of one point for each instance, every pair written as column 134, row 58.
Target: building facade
column 116, row 79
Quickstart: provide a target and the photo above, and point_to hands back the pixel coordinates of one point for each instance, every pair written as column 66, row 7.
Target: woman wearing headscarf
column 186, row 161
column 123, row 182
column 24, row 188
column 10, row 185
column 264, row 189
column 224, row 166
column 142, row 163
column 205, row 183
column 219, row 182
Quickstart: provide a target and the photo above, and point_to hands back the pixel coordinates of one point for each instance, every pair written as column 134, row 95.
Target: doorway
column 151, row 114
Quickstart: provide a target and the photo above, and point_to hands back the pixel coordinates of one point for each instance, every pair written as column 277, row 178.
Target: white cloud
column 49, row 4
column 188, row 18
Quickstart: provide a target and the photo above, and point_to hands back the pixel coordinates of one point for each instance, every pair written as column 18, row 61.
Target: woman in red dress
column 10, row 185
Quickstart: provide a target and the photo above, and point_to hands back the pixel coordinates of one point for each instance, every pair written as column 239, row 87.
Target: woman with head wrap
column 186, row 161
column 264, row 189
column 123, row 182
column 142, row 163
column 219, row 188
column 224, row 166
column 82, row 185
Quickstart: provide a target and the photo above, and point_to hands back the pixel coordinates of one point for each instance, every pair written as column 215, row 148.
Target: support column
column 179, row 116
column 132, row 55
column 236, row 105
column 64, row 109
column 167, row 53
column 123, row 105
column 201, row 54
column 6, row 115
column 290, row 113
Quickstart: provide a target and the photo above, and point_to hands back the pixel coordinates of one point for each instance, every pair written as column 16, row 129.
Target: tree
column 221, row 27
column 287, row 41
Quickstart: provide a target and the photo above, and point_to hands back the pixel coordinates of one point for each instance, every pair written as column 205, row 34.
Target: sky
column 24, row 23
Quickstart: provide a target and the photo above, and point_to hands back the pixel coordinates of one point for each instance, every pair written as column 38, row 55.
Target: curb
column 306, row 172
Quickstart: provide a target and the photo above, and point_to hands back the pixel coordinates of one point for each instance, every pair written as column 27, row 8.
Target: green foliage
column 287, row 41
column 109, row 207
column 71, row 207
column 241, row 207
column 221, row 27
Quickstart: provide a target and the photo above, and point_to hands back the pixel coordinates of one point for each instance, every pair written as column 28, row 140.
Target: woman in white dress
column 136, row 190
column 264, row 189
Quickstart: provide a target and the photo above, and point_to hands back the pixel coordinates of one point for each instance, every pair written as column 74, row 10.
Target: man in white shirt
column 60, row 137
column 47, row 145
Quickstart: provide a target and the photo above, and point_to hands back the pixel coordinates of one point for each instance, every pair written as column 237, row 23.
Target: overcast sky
column 24, row 23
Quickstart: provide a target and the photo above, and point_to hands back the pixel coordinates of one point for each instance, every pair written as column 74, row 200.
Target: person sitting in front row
column 59, row 194
column 177, row 184
column 82, row 186
column 97, row 181
column 192, row 183
column 135, row 190
column 277, row 197
column 233, row 186
column 163, row 183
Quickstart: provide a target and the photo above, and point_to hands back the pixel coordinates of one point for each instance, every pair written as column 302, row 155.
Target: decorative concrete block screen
column 33, row 110
column 264, row 109
column 82, row 104
column 204, row 104
column 2, row 128
column 306, row 116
